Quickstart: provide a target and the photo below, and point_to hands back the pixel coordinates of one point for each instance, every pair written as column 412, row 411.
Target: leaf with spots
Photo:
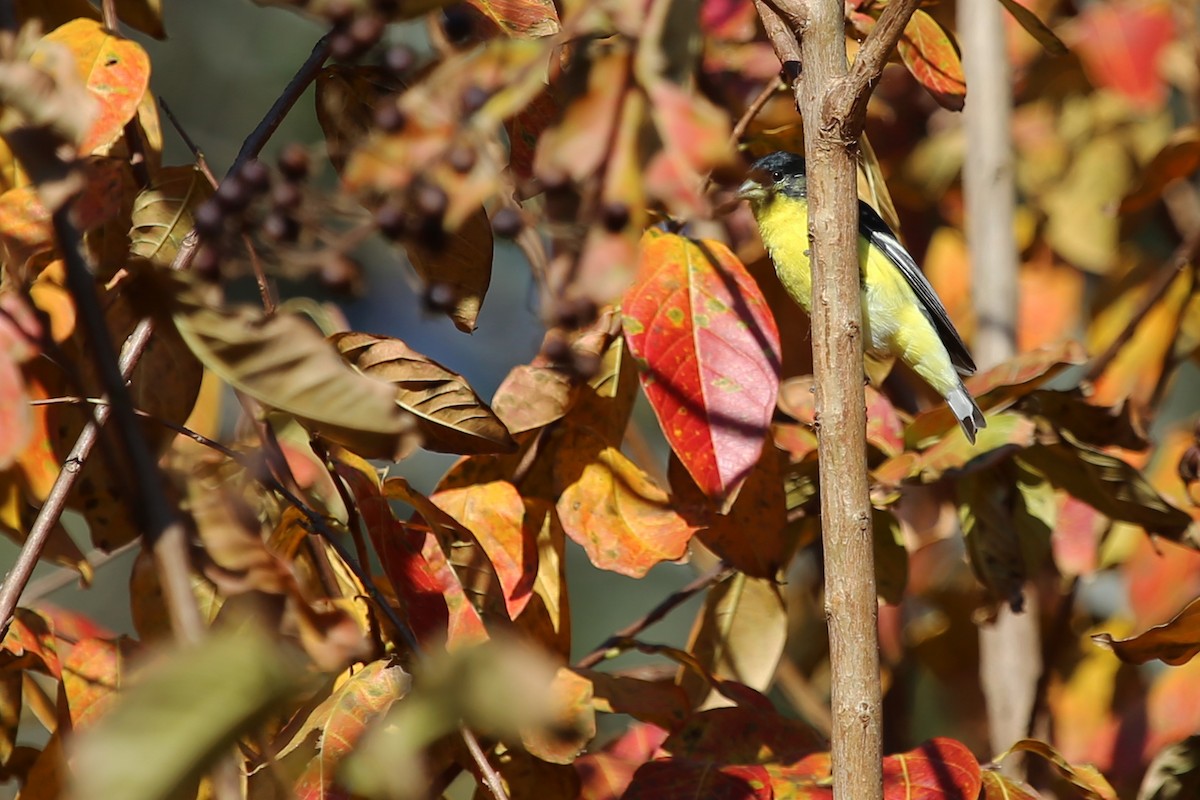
column 92, row 674
column 710, row 357
column 115, row 71
column 613, row 510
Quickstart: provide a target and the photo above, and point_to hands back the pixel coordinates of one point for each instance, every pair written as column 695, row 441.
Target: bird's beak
column 749, row 190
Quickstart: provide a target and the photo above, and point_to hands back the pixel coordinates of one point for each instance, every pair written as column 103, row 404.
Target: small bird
column 902, row 315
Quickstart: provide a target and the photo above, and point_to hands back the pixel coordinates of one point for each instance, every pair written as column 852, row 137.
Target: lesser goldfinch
column 902, row 315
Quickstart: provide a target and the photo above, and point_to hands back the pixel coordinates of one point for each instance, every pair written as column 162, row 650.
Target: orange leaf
column 710, row 349
column 613, row 510
column 930, row 55
column 1179, row 158
column 1174, row 642
column 531, row 18
column 91, row 679
column 494, row 513
column 1120, row 45
column 115, row 71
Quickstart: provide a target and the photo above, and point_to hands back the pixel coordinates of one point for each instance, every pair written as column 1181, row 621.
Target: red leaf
column 711, row 357
column 729, row 20
column 940, row 769
column 676, row 779
column 607, row 774
column 30, row 644
column 926, row 49
column 1120, row 45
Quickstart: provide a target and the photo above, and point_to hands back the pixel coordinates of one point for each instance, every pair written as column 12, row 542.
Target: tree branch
column 849, row 102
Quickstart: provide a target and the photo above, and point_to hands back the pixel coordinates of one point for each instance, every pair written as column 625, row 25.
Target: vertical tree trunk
column 851, row 603
column 1010, row 649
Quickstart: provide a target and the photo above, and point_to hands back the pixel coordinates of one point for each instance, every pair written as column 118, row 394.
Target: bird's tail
column 969, row 416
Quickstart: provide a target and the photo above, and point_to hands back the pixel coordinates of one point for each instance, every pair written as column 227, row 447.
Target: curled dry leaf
column 450, row 417
column 284, row 362
column 1174, row 642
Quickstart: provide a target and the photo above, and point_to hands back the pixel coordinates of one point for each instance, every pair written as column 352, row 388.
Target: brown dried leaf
column 450, row 416
column 463, row 262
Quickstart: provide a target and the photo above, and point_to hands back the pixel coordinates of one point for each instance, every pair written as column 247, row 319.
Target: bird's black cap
column 780, row 164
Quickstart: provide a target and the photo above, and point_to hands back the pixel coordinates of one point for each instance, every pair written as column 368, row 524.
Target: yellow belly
column 894, row 323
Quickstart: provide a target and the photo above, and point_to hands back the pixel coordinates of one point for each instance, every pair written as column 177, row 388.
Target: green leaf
column 185, row 711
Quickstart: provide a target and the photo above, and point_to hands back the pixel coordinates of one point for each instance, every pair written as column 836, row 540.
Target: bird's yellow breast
column 894, row 323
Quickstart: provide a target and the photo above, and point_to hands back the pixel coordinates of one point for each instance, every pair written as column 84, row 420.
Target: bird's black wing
column 872, row 228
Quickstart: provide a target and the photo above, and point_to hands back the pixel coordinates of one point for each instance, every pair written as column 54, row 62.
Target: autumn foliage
column 354, row 636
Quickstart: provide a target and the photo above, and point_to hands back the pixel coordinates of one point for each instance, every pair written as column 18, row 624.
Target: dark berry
column 286, row 196
column 577, row 312
column 392, row 220
column 556, row 348
column 457, row 23
column 388, row 117
column 473, row 98
column 207, row 263
column 232, row 195
column 365, row 30
column 461, row 158
column 340, row 273
column 507, row 223
column 585, row 365
column 399, row 59
column 209, row 219
column 431, row 200
column 615, row 216
column 440, row 297
column 293, row 162
column 281, row 227
column 255, row 175
column 342, row 46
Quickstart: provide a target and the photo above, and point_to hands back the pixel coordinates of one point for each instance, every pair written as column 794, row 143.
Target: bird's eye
column 777, row 176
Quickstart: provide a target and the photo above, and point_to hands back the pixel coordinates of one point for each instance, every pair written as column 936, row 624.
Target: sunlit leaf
column 116, row 72
column 1086, row 779
column 1174, row 642
column 450, row 417
column 739, row 634
column 494, row 513
column 1174, row 774
column 1120, row 46
column 938, row 768
column 930, row 55
column 1178, row 158
column 521, row 17
column 697, row 322
column 92, row 679
column 613, row 510
column 341, row 719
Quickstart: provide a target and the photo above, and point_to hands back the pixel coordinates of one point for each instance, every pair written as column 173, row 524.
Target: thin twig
column 65, row 576
column 491, row 778
column 711, row 578
column 256, row 265
column 279, row 109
